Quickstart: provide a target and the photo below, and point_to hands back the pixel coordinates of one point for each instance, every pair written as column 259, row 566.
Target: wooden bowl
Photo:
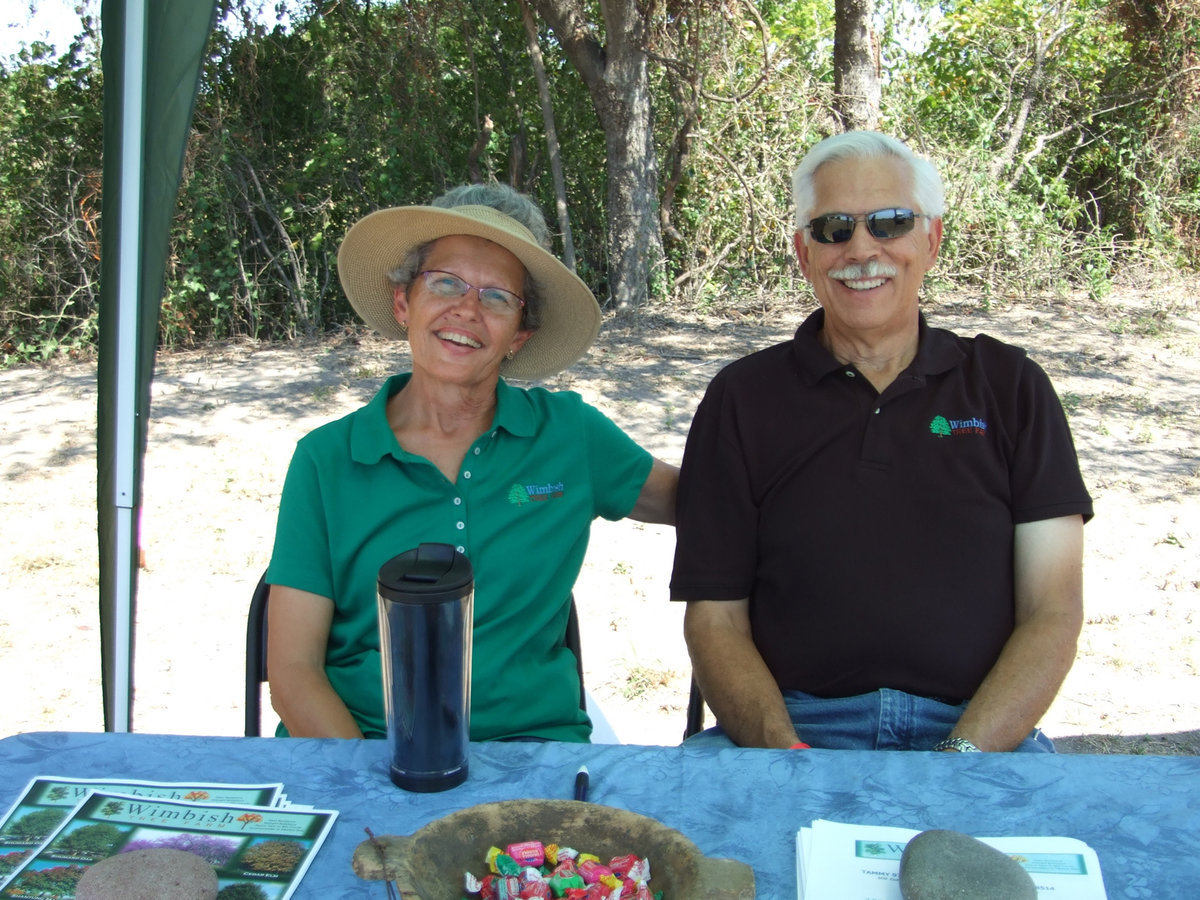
column 429, row 864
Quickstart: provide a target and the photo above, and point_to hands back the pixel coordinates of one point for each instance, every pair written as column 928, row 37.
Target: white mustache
column 872, row 268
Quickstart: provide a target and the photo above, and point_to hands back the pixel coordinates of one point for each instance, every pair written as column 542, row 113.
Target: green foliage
column 55, row 881
column 93, row 840
column 1039, row 114
column 50, row 137
column 1067, row 131
column 242, row 891
column 273, row 856
column 36, row 825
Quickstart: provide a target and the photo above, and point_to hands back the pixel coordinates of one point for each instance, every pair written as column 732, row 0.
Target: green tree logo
column 940, row 426
column 517, row 495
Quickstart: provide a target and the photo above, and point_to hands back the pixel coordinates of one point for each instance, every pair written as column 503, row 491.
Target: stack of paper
column 249, row 833
column 835, row 861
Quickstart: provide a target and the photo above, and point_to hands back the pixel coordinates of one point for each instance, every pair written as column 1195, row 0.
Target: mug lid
column 427, row 574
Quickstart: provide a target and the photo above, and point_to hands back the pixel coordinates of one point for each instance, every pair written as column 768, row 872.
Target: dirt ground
column 225, row 420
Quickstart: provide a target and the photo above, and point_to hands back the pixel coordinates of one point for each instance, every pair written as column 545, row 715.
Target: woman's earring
column 404, row 327
column 510, row 354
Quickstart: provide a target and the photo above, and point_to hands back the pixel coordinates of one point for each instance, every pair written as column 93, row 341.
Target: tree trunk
column 552, row 146
column 616, row 76
column 855, row 66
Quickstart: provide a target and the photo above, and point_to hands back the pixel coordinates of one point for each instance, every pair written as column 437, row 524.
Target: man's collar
column 937, row 350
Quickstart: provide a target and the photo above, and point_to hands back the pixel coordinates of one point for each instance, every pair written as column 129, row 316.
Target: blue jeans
column 881, row 720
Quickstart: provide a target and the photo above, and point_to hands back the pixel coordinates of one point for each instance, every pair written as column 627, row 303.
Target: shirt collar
column 938, row 351
column 371, row 436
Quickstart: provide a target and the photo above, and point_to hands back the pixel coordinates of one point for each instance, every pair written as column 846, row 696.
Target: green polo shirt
column 520, row 510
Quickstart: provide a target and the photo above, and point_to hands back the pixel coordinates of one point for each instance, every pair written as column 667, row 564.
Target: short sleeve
column 1046, row 482
column 619, row 466
column 715, row 514
column 301, row 557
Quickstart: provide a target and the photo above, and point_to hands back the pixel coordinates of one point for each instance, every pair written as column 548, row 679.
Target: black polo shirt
column 873, row 533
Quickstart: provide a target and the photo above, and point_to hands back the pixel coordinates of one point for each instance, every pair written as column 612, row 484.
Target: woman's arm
column 656, row 502
column 297, row 633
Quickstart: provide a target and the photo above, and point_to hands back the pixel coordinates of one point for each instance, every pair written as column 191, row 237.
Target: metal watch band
column 962, row 745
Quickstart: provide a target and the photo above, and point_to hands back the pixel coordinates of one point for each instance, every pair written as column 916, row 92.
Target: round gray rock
column 149, row 875
column 949, row 865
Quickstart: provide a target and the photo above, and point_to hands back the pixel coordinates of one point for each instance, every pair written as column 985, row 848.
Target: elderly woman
column 451, row 453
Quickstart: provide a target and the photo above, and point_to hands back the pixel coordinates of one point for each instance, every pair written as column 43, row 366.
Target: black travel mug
column 426, row 598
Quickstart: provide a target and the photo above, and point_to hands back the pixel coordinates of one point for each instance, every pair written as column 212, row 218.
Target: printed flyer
column 837, row 861
column 47, row 800
column 263, row 849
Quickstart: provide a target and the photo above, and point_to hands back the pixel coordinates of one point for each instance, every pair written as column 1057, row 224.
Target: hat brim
column 376, row 244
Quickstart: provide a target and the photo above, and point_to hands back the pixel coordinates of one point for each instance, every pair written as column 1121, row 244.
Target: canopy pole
column 130, row 227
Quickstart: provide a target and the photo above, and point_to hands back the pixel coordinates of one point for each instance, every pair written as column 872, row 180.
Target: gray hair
column 500, row 197
column 928, row 193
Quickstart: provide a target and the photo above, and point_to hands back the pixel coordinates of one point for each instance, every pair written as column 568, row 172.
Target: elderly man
column 879, row 523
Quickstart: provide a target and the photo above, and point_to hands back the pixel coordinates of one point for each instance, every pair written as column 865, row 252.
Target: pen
column 581, row 783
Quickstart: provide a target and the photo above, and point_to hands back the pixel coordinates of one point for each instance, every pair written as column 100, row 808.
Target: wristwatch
column 960, row 745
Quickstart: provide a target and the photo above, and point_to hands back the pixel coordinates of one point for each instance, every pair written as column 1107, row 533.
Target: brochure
column 47, row 800
column 257, row 844
column 838, row 861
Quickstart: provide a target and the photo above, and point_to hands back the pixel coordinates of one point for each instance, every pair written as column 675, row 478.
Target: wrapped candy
column 527, row 853
column 531, row 870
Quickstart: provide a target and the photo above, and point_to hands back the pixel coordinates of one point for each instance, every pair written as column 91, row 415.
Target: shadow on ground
column 1181, row 743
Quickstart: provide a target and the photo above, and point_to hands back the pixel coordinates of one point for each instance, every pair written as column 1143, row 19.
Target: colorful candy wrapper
column 527, row 853
column 621, row 865
column 592, row 870
column 536, row 890
column 492, row 853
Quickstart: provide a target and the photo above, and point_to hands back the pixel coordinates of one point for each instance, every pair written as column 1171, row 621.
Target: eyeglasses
column 493, row 299
column 837, row 228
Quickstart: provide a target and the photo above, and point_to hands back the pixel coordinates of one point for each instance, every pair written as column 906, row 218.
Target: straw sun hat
column 379, row 242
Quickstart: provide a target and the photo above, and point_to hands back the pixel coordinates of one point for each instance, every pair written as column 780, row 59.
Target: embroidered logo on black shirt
column 943, row 427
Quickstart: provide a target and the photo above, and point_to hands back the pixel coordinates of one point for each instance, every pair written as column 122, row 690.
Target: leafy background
column 1068, row 132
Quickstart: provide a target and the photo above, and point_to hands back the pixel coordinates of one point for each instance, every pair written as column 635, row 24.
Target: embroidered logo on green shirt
column 943, row 427
column 520, row 494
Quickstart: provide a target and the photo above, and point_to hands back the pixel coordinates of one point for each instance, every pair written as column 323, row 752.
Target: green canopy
column 152, row 54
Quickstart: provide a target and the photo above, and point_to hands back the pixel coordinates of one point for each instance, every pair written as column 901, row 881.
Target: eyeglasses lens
column 837, row 228
column 497, row 300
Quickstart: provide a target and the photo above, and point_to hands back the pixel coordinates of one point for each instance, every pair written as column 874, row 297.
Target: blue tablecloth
column 1140, row 813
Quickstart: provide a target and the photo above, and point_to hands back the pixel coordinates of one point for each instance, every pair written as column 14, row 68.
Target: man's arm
column 735, row 682
column 656, row 502
column 1048, row 580
column 297, row 633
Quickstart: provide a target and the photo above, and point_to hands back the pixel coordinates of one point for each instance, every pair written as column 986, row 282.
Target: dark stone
column 948, row 865
column 149, row 875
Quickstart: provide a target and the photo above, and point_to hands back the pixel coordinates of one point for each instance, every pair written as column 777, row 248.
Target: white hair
column 928, row 193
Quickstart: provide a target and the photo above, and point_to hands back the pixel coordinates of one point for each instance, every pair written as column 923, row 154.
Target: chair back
column 256, row 656
column 695, row 711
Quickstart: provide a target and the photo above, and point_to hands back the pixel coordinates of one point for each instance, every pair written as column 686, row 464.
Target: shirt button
column 458, row 500
column 461, row 525
column 877, row 410
column 849, row 374
column 461, row 549
column 476, row 451
column 466, row 474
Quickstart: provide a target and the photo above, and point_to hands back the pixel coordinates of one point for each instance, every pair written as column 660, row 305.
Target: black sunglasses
column 837, row 228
